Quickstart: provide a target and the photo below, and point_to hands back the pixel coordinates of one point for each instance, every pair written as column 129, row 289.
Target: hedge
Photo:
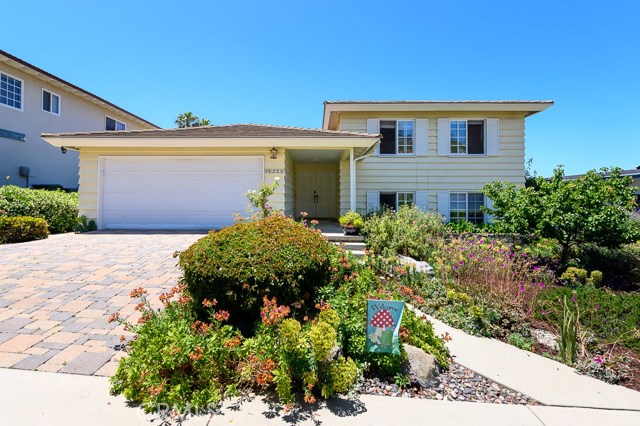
column 58, row 208
column 19, row 229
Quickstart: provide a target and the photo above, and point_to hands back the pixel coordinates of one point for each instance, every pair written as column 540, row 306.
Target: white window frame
column 413, row 137
column 52, row 94
column 397, row 206
column 21, row 93
column 466, row 125
column 117, row 121
column 466, row 205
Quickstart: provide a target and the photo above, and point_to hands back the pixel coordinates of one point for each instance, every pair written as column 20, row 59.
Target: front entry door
column 316, row 193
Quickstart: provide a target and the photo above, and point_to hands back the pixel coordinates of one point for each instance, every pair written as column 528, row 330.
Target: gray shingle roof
column 226, row 131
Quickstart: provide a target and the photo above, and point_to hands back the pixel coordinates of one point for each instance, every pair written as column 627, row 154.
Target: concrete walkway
column 41, row 398
column 543, row 379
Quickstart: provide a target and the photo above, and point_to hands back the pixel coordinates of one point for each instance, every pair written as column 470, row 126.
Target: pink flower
column 598, row 360
column 543, row 312
column 597, row 307
column 541, row 285
column 470, row 256
column 535, row 268
column 573, row 299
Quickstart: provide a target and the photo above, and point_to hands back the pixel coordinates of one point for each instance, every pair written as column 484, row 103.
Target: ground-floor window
column 394, row 200
column 466, row 206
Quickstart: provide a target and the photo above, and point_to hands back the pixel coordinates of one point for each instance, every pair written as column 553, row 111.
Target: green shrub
column 58, row 208
column 239, row 265
column 410, row 231
column 176, row 361
column 351, row 219
column 596, row 278
column 620, row 267
column 519, row 341
column 574, row 276
column 350, row 303
column 18, row 229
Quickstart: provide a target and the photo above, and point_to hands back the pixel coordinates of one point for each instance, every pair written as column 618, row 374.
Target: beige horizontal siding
column 432, row 172
column 89, row 171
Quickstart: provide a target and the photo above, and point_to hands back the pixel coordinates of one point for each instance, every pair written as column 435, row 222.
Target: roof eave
column 256, row 142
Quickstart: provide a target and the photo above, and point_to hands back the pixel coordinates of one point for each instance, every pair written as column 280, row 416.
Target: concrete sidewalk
column 41, row 398
column 543, row 379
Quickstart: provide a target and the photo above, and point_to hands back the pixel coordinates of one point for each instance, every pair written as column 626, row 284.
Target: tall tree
column 187, row 119
column 594, row 208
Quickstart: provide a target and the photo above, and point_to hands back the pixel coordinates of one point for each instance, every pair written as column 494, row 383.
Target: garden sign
column 383, row 323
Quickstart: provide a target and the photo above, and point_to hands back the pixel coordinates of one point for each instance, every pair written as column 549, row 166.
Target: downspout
column 352, row 174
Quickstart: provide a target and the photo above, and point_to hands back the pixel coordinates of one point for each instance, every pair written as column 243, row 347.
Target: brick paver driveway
column 56, row 296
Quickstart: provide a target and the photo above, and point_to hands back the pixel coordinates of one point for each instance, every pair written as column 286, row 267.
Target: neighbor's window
column 466, row 206
column 397, row 137
column 467, row 137
column 50, row 102
column 10, row 91
column 393, row 200
column 113, row 124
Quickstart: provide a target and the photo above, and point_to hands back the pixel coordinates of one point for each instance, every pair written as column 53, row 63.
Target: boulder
column 421, row 367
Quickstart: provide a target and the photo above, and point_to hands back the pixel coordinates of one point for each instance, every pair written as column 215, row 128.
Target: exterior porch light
column 274, row 153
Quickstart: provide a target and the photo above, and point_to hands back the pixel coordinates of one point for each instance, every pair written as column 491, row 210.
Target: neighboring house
column 434, row 154
column 32, row 102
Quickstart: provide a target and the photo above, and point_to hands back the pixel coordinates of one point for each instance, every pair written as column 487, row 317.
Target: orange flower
column 309, row 398
column 209, row 303
column 137, row 292
column 221, row 316
column 197, row 355
column 114, row 317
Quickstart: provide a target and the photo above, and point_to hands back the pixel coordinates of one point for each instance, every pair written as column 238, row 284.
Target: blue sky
column 276, row 62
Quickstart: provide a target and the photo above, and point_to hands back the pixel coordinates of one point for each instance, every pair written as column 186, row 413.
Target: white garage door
column 176, row 192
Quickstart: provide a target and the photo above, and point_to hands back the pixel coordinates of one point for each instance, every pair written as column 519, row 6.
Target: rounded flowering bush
column 239, row 265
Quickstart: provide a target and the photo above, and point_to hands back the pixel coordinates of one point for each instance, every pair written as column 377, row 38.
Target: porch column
column 352, row 180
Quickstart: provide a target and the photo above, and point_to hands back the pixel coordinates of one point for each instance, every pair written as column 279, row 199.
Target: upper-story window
column 467, row 137
column 112, row 124
column 50, row 102
column 397, row 137
column 11, row 91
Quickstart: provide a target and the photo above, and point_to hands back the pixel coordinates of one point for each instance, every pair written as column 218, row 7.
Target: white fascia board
column 318, row 143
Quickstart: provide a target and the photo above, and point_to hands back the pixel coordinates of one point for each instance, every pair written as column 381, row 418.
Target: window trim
column 117, row 121
column 413, row 154
column 466, row 201
column 397, row 206
column 466, row 121
column 21, row 109
column 59, row 113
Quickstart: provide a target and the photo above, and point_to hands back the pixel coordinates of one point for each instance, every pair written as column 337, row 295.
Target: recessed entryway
column 316, row 191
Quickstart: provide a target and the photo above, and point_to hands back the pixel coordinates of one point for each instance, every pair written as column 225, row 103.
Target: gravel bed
column 457, row 384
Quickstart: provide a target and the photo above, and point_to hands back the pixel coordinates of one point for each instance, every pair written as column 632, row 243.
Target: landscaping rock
column 456, row 384
column 421, row 367
column 418, row 266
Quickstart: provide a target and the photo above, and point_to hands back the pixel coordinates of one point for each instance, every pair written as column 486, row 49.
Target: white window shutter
column 443, row 204
column 493, row 136
column 373, row 127
column 422, row 136
column 488, row 203
column 444, row 137
column 373, row 201
column 422, row 199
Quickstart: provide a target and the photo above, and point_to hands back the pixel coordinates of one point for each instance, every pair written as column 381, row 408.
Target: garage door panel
column 169, row 192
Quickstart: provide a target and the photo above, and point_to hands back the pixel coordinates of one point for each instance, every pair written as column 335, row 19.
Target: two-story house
column 32, row 102
column 434, row 154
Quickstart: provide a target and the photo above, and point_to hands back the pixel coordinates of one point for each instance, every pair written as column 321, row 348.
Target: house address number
column 273, row 171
